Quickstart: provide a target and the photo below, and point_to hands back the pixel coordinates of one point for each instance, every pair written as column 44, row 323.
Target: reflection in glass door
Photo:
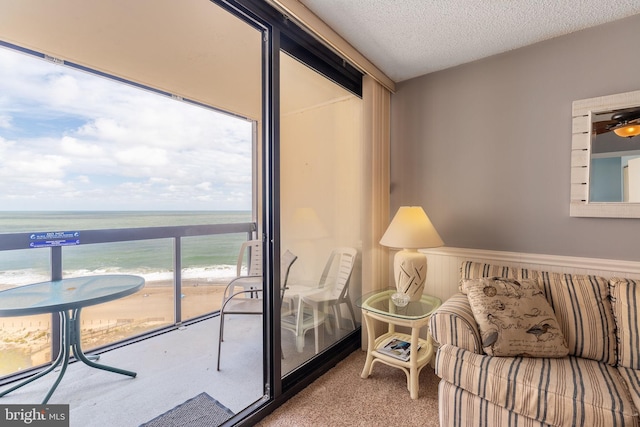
column 321, row 157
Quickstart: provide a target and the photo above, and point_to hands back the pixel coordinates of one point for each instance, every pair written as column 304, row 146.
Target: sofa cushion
column 476, row 270
column 625, row 299
column 459, row 408
column 514, row 318
column 583, row 309
column 581, row 305
column 632, row 380
column 561, row 392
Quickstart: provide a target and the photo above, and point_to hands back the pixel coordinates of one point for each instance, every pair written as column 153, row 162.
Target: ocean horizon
column 203, row 257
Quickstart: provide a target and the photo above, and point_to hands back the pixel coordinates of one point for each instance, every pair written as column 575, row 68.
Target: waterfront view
column 208, row 257
column 208, row 262
column 85, row 150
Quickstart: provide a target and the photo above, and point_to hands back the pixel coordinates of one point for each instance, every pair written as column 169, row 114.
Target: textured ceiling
column 409, row 38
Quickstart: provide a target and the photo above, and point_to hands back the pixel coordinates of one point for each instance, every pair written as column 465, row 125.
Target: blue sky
column 70, row 140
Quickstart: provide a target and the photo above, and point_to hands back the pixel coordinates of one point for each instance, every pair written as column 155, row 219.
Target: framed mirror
column 605, row 156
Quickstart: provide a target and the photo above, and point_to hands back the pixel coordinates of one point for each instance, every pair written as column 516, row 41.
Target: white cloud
column 108, row 144
column 103, row 128
column 49, row 184
column 5, row 121
column 206, row 186
column 64, row 90
column 73, row 147
column 142, row 156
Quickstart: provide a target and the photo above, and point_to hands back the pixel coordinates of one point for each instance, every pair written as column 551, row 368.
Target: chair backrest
column 252, row 249
column 286, row 261
column 340, row 263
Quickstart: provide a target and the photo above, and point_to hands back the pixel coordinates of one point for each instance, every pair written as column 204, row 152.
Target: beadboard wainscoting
column 443, row 266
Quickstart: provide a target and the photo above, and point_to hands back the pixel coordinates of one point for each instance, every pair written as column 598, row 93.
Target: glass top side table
column 378, row 305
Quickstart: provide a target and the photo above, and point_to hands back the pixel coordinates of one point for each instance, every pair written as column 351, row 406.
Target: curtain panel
column 375, row 258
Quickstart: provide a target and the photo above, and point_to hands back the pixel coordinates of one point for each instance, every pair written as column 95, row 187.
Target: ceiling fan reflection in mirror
column 624, row 123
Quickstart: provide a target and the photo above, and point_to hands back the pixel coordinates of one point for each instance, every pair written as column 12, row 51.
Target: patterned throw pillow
column 580, row 302
column 514, row 318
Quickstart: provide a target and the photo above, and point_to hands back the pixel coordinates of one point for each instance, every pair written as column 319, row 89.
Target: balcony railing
column 122, row 327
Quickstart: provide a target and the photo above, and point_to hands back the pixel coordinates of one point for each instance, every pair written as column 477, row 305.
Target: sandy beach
column 25, row 341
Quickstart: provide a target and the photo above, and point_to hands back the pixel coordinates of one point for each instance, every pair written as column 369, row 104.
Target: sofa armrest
column 453, row 323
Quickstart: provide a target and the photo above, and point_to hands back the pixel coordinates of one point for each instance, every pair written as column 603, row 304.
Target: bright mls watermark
column 34, row 415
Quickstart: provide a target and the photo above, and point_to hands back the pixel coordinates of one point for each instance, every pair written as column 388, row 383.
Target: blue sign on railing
column 54, row 238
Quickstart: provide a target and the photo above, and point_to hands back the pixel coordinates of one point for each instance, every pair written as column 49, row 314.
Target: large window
column 96, row 139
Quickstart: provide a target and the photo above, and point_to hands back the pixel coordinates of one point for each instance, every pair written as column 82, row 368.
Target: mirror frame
column 583, row 110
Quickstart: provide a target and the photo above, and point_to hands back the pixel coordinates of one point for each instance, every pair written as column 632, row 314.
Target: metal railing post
column 56, row 274
column 177, row 278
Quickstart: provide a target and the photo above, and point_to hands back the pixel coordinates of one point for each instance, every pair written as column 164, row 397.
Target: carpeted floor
column 342, row 398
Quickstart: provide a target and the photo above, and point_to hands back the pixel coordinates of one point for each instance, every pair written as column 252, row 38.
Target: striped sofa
column 597, row 384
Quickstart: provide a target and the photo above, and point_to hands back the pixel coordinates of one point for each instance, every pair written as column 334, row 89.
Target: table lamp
column 305, row 224
column 410, row 230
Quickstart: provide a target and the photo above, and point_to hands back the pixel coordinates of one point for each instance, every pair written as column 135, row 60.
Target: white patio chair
column 237, row 303
column 249, row 259
column 332, row 291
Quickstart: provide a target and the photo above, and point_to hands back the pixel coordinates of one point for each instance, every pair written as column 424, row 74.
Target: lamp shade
column 411, row 229
column 306, row 225
column 628, row 131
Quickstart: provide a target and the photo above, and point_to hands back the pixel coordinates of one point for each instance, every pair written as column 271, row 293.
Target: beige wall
column 321, row 168
column 485, row 147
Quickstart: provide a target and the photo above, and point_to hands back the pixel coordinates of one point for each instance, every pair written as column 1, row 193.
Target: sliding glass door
column 321, row 155
column 145, row 116
column 278, row 148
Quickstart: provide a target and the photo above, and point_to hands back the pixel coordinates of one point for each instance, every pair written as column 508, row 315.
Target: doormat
column 200, row 411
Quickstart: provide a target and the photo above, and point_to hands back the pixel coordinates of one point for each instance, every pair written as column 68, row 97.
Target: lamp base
column 410, row 272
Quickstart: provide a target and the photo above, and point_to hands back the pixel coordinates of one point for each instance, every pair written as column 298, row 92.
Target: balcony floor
column 172, row 368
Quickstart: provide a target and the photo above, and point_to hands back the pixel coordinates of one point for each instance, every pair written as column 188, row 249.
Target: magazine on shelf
column 398, row 349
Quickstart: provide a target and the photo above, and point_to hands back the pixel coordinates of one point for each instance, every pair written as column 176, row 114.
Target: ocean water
column 206, row 257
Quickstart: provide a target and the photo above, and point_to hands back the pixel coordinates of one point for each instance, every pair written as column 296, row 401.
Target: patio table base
column 69, row 340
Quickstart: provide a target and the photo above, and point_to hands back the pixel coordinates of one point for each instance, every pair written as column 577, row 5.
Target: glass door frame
column 279, row 33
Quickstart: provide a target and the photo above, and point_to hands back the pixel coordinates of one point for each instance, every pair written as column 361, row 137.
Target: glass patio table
column 67, row 297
